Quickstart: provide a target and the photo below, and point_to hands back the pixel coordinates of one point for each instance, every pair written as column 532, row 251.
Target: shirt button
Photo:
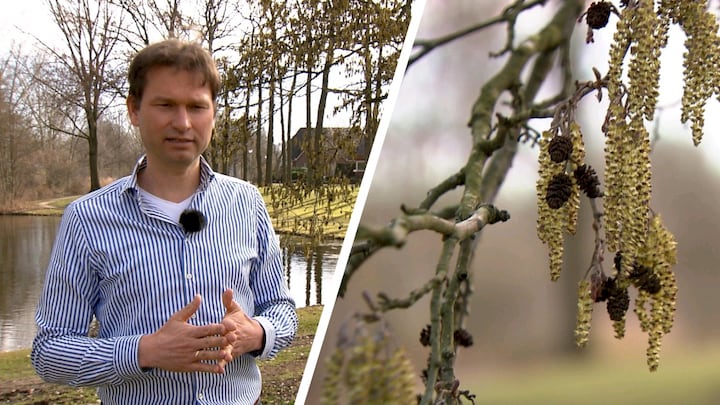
column 189, row 276
column 201, row 396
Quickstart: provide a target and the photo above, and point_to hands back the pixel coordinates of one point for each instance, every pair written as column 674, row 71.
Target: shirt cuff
column 269, row 341
column 127, row 364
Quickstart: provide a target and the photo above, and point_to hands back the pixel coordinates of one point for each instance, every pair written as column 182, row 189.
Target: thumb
column 228, row 303
column 188, row 310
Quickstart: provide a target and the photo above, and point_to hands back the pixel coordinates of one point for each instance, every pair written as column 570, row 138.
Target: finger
column 227, row 299
column 186, row 312
column 227, row 352
column 230, row 326
column 208, row 330
column 206, row 368
column 211, row 342
column 221, row 355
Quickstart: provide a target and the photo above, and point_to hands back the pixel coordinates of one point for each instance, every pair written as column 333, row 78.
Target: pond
column 26, row 242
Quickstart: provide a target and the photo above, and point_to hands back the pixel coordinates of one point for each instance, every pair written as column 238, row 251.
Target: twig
column 509, row 16
column 456, row 180
column 387, row 303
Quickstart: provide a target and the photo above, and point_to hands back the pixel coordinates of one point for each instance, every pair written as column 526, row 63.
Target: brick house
column 342, row 152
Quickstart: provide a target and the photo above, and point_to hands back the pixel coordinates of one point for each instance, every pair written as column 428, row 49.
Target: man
column 184, row 305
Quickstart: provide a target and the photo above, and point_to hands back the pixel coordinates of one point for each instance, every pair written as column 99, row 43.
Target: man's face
column 175, row 116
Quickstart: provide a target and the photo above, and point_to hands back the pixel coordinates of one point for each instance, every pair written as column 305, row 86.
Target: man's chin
column 181, row 159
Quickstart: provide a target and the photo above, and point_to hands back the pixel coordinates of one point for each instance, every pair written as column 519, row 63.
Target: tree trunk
column 307, row 146
column 258, row 134
column 321, row 164
column 93, row 151
column 288, row 151
column 271, row 129
column 246, row 135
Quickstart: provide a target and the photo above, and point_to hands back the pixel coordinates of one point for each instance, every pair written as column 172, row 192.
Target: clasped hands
column 180, row 346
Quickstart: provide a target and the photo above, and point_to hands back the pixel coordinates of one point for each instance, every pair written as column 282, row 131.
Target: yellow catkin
column 642, row 299
column 659, row 255
column 578, row 154
column 653, row 350
column 402, row 374
column 576, row 159
column 701, row 61
column 619, row 328
column 368, row 368
column 649, row 33
column 638, row 188
column 584, row 314
column 551, row 222
column 628, row 180
column 331, row 391
column 615, row 150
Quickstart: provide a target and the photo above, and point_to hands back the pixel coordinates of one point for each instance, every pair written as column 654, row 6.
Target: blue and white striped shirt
column 132, row 267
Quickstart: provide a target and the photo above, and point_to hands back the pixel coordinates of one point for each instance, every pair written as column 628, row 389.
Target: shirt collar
column 206, row 175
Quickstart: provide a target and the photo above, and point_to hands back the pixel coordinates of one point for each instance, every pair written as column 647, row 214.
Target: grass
column 690, row 378
column 281, row 376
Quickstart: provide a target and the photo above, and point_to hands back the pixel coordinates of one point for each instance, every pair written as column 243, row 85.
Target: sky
column 29, row 16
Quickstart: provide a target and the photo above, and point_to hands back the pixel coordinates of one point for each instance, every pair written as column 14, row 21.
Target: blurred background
column 522, row 323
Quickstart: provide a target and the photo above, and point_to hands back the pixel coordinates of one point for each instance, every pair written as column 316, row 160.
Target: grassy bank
column 324, row 213
column 281, row 376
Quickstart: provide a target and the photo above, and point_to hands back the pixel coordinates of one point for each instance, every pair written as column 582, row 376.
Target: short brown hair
column 186, row 56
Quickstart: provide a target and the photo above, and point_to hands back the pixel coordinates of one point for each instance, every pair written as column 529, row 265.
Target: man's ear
column 133, row 104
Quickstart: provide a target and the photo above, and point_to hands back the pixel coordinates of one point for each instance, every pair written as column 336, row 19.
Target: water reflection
column 26, row 243
column 308, row 269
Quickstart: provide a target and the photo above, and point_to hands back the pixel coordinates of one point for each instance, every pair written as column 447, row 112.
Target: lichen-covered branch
column 494, row 145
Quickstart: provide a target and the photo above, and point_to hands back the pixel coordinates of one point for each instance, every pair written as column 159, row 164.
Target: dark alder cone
column 618, row 303
column 606, row 288
column 425, row 336
column 463, row 338
column 644, row 279
column 588, row 181
column 617, row 261
column 560, row 148
column 192, row 220
column 558, row 190
column 598, row 14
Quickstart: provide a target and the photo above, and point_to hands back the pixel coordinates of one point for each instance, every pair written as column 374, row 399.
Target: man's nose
column 181, row 119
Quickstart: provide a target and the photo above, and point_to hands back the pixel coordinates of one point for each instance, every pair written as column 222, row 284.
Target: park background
column 303, row 88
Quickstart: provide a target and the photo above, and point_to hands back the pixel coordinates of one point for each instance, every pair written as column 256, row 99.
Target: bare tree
column 151, row 19
column 83, row 76
column 15, row 142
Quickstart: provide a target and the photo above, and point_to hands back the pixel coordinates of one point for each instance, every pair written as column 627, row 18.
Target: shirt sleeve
column 274, row 307
column 62, row 352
